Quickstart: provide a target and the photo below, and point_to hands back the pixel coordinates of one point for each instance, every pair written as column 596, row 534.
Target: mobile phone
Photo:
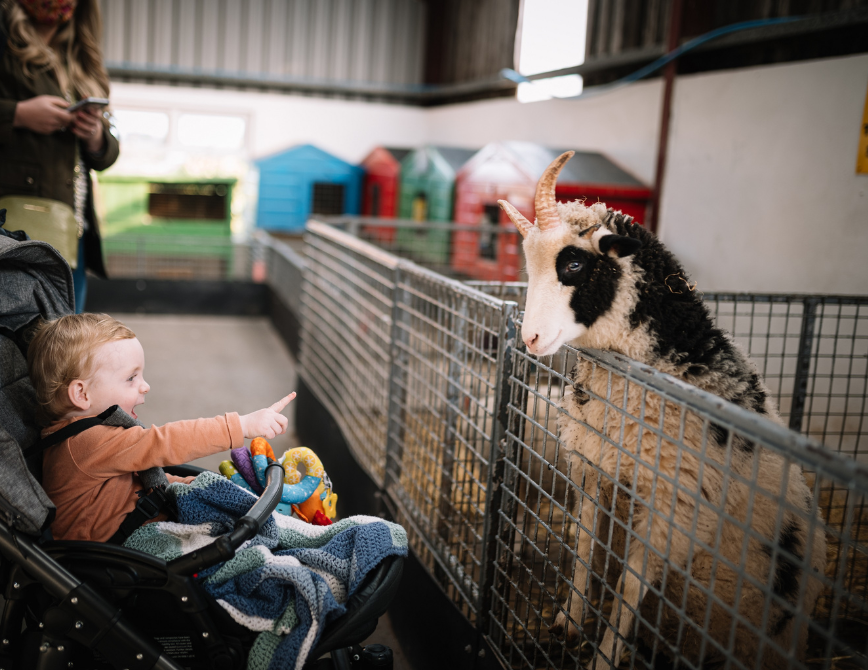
column 97, row 102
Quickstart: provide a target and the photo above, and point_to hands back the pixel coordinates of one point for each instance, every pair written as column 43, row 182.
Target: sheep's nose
column 530, row 340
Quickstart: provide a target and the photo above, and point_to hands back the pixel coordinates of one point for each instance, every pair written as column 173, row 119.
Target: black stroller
column 92, row 605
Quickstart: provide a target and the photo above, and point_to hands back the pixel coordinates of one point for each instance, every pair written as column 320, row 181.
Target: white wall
column 344, row 128
column 623, row 124
column 760, row 192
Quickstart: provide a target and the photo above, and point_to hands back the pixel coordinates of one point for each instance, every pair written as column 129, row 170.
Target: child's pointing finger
column 283, row 402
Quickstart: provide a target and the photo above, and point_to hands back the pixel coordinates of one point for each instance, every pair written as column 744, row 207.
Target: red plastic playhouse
column 510, row 171
column 381, row 188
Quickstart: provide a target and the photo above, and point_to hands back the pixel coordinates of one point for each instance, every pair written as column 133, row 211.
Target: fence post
column 451, row 411
column 494, row 491
column 353, row 227
column 397, row 406
column 803, row 363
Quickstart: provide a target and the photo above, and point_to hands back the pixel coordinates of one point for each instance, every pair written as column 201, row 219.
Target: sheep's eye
column 574, row 266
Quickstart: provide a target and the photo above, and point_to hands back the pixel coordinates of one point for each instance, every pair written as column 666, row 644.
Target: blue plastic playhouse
column 304, row 181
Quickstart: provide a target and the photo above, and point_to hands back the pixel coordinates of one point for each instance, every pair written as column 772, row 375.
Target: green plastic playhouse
column 427, row 190
column 167, row 226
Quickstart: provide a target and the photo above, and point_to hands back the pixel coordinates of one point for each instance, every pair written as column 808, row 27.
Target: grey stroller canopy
column 35, row 282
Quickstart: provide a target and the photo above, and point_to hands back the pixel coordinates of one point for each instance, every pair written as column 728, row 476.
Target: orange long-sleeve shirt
column 91, row 477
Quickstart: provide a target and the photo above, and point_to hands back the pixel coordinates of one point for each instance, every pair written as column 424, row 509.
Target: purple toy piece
column 244, row 465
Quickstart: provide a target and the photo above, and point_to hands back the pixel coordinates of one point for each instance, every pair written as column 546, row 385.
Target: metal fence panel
column 627, row 515
column 347, row 299
column 445, row 422
column 411, row 365
column 813, row 353
column 178, row 257
column 284, row 269
column 596, row 503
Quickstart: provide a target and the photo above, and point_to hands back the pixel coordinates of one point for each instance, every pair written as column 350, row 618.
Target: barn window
column 328, row 199
column 206, row 202
column 488, row 237
column 210, row 131
column 141, row 128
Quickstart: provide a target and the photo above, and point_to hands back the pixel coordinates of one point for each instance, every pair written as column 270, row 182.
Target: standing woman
column 52, row 58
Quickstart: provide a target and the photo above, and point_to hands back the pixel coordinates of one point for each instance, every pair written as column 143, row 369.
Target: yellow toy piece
column 301, row 455
column 323, row 499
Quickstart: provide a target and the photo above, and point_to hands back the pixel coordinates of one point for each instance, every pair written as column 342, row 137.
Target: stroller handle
column 224, row 547
column 269, row 499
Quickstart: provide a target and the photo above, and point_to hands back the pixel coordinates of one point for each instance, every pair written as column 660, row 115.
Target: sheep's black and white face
column 575, row 265
column 574, row 276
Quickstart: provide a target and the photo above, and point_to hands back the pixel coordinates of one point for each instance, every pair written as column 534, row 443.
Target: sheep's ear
column 620, row 244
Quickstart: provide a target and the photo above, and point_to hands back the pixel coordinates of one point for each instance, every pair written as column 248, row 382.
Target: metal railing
column 735, row 568
column 813, row 353
column 538, row 517
column 486, row 251
column 179, row 257
column 811, row 350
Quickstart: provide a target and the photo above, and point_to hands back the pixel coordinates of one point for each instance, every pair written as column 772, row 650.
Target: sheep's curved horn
column 516, row 217
column 544, row 202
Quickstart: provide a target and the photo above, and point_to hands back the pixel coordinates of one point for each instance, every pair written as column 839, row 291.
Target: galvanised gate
column 457, row 425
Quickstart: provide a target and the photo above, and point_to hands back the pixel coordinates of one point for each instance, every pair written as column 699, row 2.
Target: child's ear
column 77, row 392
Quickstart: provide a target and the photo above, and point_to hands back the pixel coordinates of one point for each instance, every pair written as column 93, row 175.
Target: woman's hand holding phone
column 88, row 102
column 87, row 125
column 43, row 114
column 46, row 114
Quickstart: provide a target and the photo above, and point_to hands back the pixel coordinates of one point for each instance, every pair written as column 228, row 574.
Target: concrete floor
column 202, row 366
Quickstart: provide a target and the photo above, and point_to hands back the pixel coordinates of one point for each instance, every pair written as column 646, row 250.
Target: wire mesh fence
column 283, row 268
column 180, row 257
column 487, row 252
column 813, row 353
column 447, row 380
column 347, row 299
column 626, row 536
column 580, row 508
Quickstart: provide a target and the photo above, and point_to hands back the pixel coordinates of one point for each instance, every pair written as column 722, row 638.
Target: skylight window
column 551, row 37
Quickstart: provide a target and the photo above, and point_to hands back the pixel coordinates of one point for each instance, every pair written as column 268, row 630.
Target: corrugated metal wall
column 408, row 51
column 331, row 40
column 470, row 40
column 617, row 26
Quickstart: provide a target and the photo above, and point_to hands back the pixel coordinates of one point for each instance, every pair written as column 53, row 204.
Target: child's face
column 118, row 378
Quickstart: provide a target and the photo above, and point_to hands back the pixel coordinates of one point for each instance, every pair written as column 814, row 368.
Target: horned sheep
column 597, row 280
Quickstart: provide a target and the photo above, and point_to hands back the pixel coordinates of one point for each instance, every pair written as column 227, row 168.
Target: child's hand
column 267, row 422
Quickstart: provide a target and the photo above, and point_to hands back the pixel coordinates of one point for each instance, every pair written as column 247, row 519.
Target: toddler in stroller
column 91, row 365
column 90, row 605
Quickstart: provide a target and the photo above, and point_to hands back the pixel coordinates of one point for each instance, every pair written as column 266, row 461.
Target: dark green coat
column 44, row 165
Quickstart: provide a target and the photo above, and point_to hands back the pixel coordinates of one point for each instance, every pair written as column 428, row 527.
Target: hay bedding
column 535, row 583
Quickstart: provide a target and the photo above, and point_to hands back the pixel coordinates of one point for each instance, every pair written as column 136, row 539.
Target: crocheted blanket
column 289, row 581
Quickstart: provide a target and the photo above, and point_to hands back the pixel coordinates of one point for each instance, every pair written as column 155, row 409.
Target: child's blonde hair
column 62, row 351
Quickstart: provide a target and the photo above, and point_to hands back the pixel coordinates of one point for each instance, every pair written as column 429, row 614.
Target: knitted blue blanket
column 289, row 581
